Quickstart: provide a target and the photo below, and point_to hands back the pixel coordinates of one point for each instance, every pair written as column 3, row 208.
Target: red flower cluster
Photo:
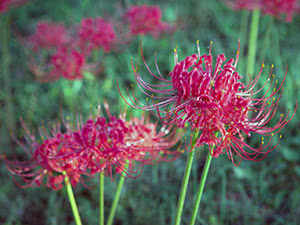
column 213, row 100
column 276, row 8
column 97, row 146
column 69, row 53
column 50, row 36
column 279, row 7
column 5, row 5
column 146, row 19
column 67, row 63
column 70, row 49
column 96, row 33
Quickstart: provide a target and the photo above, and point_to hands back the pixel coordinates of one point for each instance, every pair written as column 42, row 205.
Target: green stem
column 5, row 41
column 101, row 202
column 185, row 181
column 276, row 48
column 252, row 42
column 115, row 202
column 223, row 197
column 72, row 201
column 201, row 187
column 242, row 36
column 267, row 38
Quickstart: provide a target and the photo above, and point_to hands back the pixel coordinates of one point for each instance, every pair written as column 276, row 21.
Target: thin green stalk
column 276, row 48
column 242, row 37
column 101, row 202
column 223, row 197
column 9, row 109
column 267, row 38
column 72, row 201
column 201, row 188
column 252, row 42
column 115, row 202
column 185, row 181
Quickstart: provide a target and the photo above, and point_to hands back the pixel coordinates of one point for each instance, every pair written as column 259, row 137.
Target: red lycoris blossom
column 5, row 5
column 97, row 146
column 50, row 35
column 68, row 53
column 50, row 161
column 95, row 33
column 123, row 146
column 276, row 8
column 243, row 4
column 146, row 19
column 215, row 102
column 67, row 63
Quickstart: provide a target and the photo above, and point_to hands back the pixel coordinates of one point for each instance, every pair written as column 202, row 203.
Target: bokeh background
column 266, row 192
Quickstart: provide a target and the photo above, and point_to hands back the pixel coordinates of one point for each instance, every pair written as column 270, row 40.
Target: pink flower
column 50, row 35
column 214, row 100
column 95, row 33
column 5, row 5
column 97, row 146
column 146, row 19
column 276, row 8
column 50, row 161
column 123, row 146
column 244, row 4
column 67, row 63
column 279, row 7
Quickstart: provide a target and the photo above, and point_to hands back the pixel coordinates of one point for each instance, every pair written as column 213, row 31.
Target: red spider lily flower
column 5, row 5
column 49, row 35
column 64, row 63
column 215, row 102
column 124, row 146
column 243, row 4
column 67, row 63
column 276, row 8
column 146, row 19
column 95, row 33
column 279, row 7
column 96, row 146
column 50, row 161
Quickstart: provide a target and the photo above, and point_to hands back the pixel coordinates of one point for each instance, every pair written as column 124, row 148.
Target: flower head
column 276, row 8
column 96, row 146
column 57, row 54
column 146, row 19
column 67, row 63
column 281, row 7
column 5, row 5
column 121, row 146
column 213, row 100
column 50, row 35
column 95, row 33
column 51, row 159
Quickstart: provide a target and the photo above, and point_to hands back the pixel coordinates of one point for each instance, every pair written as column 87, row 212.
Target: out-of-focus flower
column 146, row 19
column 59, row 54
column 67, row 63
column 243, row 4
column 95, row 33
column 50, row 35
column 5, row 5
column 213, row 100
column 276, row 8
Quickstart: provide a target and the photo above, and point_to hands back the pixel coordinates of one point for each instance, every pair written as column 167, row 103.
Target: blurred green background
column 266, row 192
